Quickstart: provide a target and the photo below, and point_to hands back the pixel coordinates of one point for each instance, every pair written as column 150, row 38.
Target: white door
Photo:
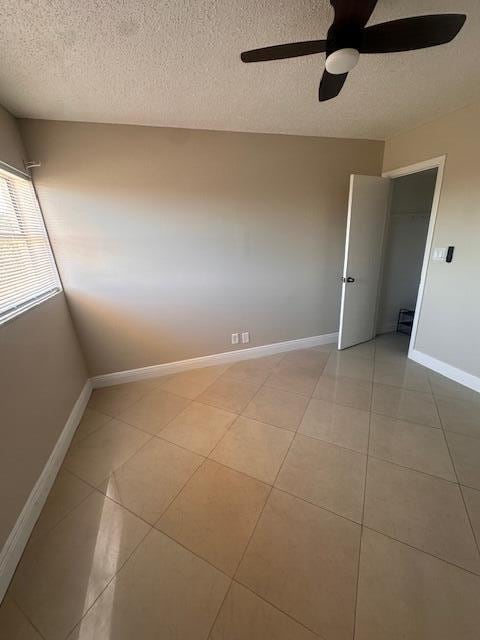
column 367, row 214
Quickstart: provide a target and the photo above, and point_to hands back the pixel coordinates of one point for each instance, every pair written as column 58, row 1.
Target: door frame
column 434, row 163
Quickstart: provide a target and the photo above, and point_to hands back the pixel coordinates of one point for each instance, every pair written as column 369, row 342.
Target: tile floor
column 313, row 494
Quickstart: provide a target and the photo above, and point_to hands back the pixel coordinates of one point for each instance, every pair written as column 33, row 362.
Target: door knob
column 348, row 279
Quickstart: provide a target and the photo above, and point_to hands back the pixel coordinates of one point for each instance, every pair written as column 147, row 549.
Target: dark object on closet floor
column 405, row 321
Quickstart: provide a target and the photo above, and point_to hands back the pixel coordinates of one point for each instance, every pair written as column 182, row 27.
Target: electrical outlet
column 245, row 337
column 235, row 339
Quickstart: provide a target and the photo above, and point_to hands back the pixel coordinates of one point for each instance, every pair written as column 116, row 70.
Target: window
column 28, row 273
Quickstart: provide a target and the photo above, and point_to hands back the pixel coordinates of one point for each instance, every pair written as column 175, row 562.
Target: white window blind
column 28, row 273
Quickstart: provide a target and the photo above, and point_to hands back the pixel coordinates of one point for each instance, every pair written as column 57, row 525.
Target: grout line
column 151, row 528
column 376, row 457
column 25, row 615
column 247, row 546
column 477, row 545
column 130, row 424
column 242, row 473
column 277, row 608
column 272, row 486
column 69, row 511
column 243, row 416
column 463, row 435
column 113, row 576
column 386, row 415
column 219, row 609
column 234, row 578
column 329, row 442
column 118, row 570
column 317, row 506
column 427, row 553
column 402, row 466
column 81, row 439
column 170, row 503
column 112, row 471
column 357, row 582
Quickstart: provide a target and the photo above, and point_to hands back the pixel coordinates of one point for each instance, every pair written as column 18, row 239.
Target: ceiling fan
column 348, row 37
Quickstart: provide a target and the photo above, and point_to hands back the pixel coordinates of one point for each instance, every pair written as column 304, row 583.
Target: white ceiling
column 176, row 63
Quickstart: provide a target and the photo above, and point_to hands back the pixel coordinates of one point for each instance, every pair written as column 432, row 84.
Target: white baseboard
column 132, row 375
column 447, row 370
column 18, row 538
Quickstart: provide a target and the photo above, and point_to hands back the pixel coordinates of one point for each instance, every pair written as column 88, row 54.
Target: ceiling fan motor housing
column 343, row 45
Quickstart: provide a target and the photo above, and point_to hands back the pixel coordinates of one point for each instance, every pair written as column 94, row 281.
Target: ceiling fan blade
column 282, row 51
column 355, row 12
column 331, row 85
column 408, row 34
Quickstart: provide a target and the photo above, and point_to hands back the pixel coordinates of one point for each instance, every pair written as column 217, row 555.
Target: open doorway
column 387, row 255
column 408, row 220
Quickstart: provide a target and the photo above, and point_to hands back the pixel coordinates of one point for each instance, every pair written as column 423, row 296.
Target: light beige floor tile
column 249, row 371
column 350, row 392
column 163, row 592
column 472, row 500
column 67, row 492
column 244, row 367
column 327, row 348
column 214, row 515
column 191, row 384
column 154, row 411
column 466, row 458
column 90, row 422
column 442, row 386
column 408, row 375
column 304, row 560
column 344, row 426
column 294, row 379
column 114, row 400
column 310, row 359
column 13, row 624
column 62, row 573
column 405, row 594
column 254, row 448
column 95, row 457
column 279, row 408
column 459, row 416
column 395, row 357
column 198, row 428
column 411, row 445
column 425, row 512
column 343, row 364
column 229, row 393
column 363, row 350
column 391, row 347
column 245, row 616
column 404, row 404
column 327, row 475
column 151, row 479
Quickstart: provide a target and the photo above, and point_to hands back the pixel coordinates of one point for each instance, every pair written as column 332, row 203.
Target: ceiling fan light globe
column 342, row 61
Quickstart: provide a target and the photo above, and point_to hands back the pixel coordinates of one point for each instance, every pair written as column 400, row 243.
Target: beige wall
column 169, row 240
column 450, row 315
column 42, row 372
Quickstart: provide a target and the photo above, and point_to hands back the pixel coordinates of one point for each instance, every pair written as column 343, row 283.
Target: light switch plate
column 245, row 337
column 439, row 254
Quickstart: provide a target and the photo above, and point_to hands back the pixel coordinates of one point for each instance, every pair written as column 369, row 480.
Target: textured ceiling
column 176, row 63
